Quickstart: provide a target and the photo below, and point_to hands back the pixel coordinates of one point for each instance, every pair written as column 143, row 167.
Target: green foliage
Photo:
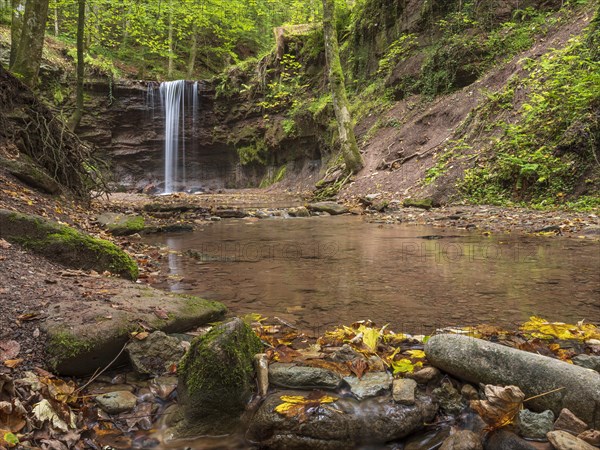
column 539, row 158
column 255, row 153
column 274, row 177
column 396, row 53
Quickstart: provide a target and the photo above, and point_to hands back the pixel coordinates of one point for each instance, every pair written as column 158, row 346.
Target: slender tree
column 16, row 26
column 352, row 156
column 28, row 56
column 78, row 113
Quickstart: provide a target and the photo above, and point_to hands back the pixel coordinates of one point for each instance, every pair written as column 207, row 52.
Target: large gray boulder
column 480, row 361
column 343, row 424
column 216, row 379
column 332, row 208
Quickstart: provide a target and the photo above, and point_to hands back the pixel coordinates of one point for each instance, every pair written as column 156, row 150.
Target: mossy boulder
column 79, row 344
column 216, row 378
column 65, row 245
column 121, row 224
column 422, row 203
column 31, row 174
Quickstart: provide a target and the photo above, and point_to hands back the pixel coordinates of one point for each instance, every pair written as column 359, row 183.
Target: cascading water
column 174, row 103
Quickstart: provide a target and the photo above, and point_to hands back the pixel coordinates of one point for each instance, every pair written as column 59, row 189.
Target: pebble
column 567, row 421
column 370, row 385
column 425, row 375
column 591, row 437
column 116, row 402
column 403, row 391
column 561, row 440
column 462, row 440
column 535, row 425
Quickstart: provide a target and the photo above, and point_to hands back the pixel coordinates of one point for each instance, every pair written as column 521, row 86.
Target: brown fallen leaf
column 28, row 316
column 358, row 366
column 501, row 407
column 140, row 336
column 332, row 366
column 9, row 350
column 12, row 363
column 302, row 407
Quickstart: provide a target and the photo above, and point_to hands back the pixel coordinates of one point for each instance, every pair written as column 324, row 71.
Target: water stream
column 324, row 271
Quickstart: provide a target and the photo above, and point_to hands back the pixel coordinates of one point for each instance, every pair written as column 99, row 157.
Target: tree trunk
column 352, row 157
column 193, row 53
column 29, row 52
column 15, row 29
column 78, row 113
column 171, row 56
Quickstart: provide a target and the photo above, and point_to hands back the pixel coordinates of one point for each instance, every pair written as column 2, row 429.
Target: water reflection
column 321, row 272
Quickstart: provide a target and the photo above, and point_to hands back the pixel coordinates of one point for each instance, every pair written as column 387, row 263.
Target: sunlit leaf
column 299, row 406
column 44, row 412
column 405, row 366
column 542, row 329
column 417, row 354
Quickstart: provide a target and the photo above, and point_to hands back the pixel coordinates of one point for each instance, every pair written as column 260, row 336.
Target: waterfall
column 173, row 100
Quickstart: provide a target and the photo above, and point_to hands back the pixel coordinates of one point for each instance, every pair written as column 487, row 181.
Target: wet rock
column 345, row 423
column 116, row 402
column 302, row 377
column 155, row 354
column 587, row 361
column 567, row 421
column 535, row 426
column 163, row 387
column 430, row 440
column 479, row 361
column 332, row 208
column 462, row 440
column 216, row 378
column 370, row 385
column 121, row 224
column 505, row 440
column 403, row 391
column 102, row 388
column 591, row 437
column 451, row 402
column 425, row 375
column 300, row 211
column 562, row 440
column 469, row 392
column 65, row 245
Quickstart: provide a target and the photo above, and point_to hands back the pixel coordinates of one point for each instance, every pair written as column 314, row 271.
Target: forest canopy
column 174, row 38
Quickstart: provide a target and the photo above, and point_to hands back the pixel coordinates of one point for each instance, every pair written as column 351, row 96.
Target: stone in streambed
column 343, row 424
column 300, row 211
column 505, row 440
column 561, row 440
column 293, row 376
column 587, row 361
column 591, row 437
column 451, row 402
column 403, row 391
column 370, row 385
column 479, row 361
column 462, row 440
column 116, row 402
column 425, row 375
column 121, row 224
column 535, row 426
column 216, row 379
column 155, row 354
column 567, row 421
column 332, row 208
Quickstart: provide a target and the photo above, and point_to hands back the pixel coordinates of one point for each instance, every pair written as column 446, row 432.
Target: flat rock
column 302, row 377
column 121, row 224
column 332, row 208
column 79, row 344
column 403, row 391
column 535, row 425
column 567, row 421
column 343, row 424
column 299, row 211
column 155, row 354
column 462, row 440
column 116, row 402
column 561, row 440
column 370, row 385
column 479, row 361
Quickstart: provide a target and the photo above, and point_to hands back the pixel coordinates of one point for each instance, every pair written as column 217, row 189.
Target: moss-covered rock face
column 122, row 224
column 215, row 378
column 65, row 245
